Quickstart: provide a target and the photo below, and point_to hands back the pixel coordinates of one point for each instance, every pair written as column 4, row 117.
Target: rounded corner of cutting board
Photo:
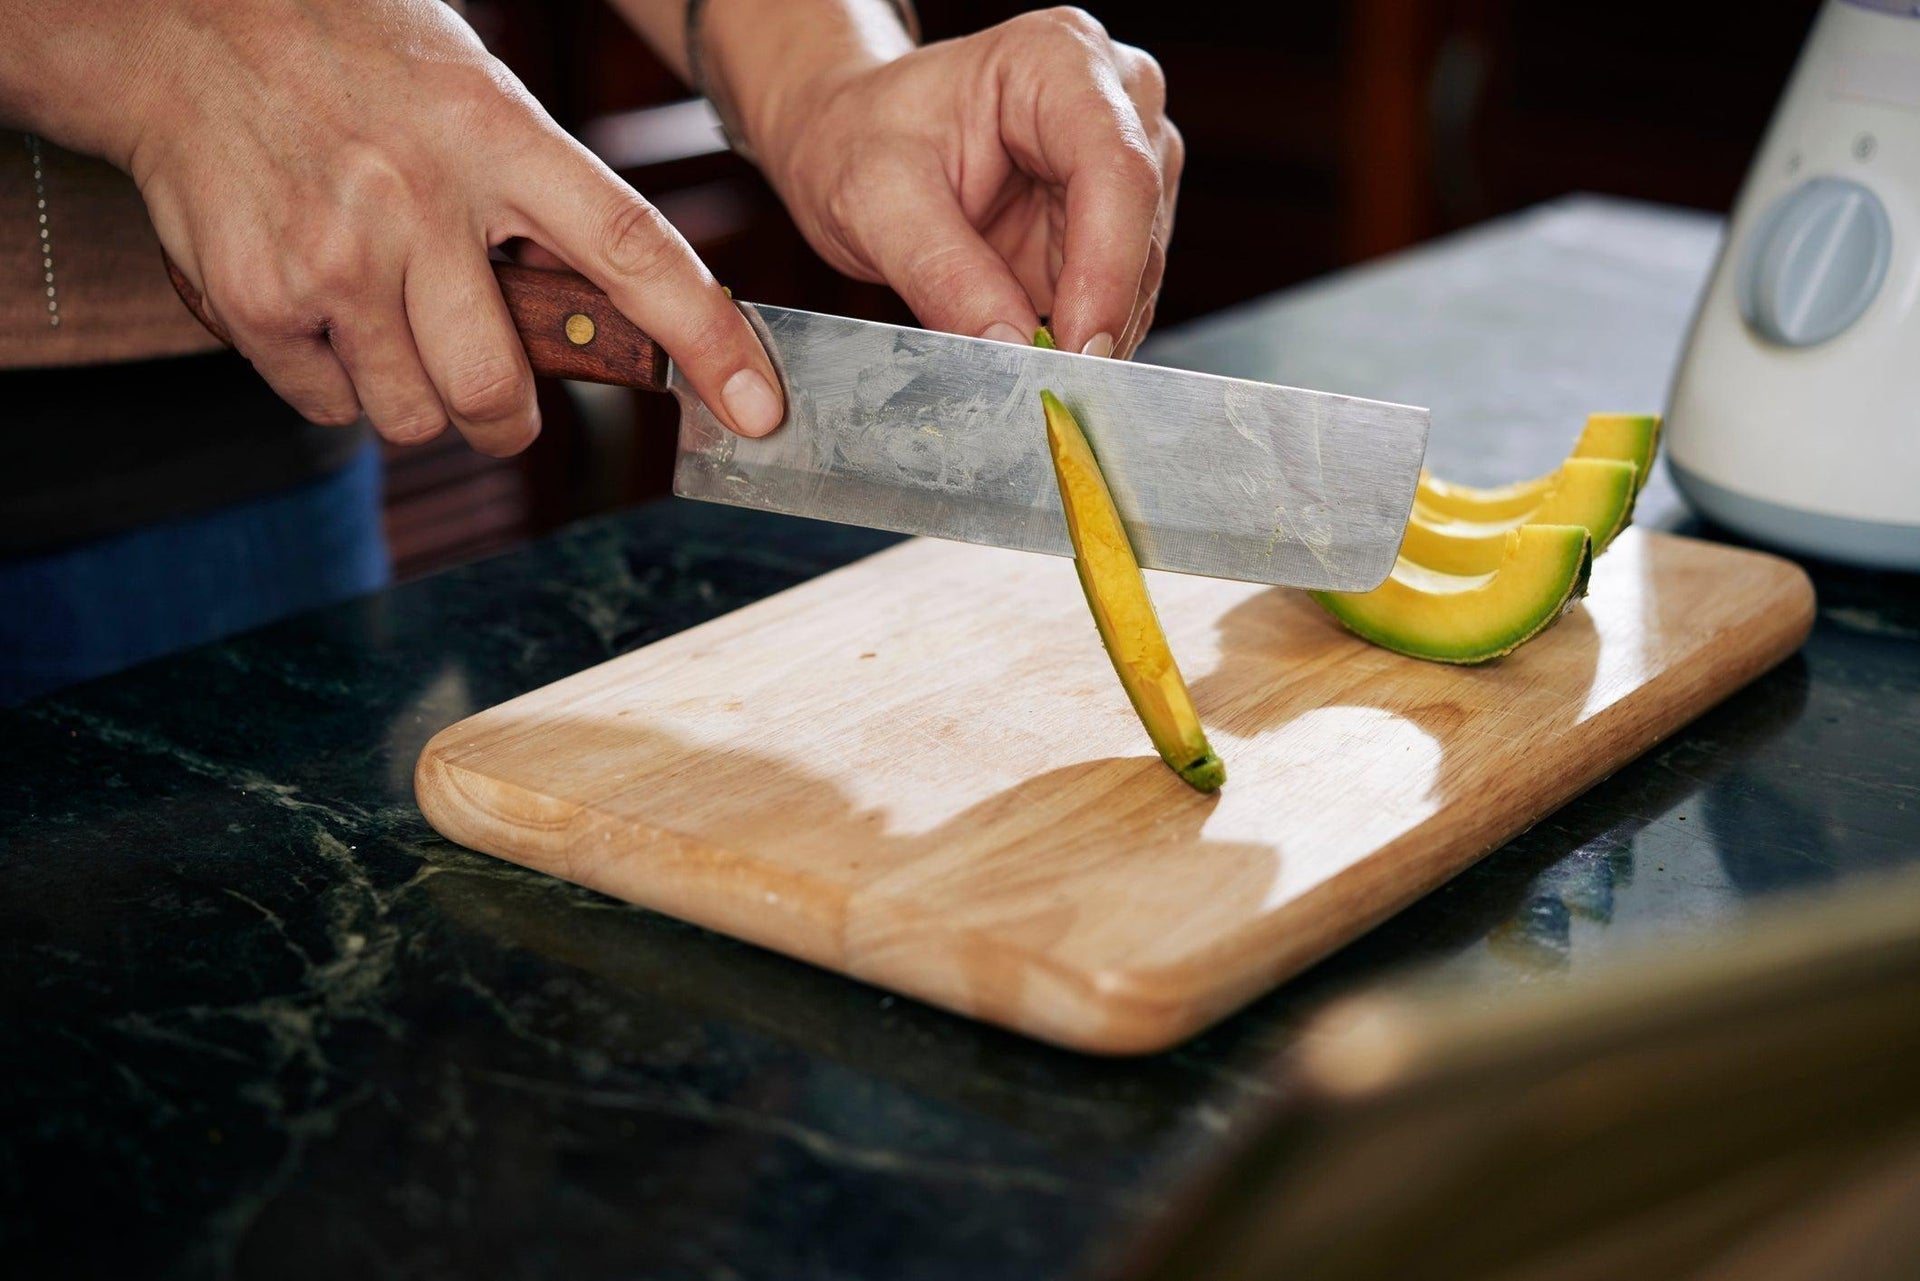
column 1806, row 602
column 471, row 809
column 1777, row 587
column 1127, row 1016
column 443, row 803
column 1130, row 1043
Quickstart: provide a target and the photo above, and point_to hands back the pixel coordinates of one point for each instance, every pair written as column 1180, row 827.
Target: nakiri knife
column 927, row 433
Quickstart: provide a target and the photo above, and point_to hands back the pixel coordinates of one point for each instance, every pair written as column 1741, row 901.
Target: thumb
column 952, row 279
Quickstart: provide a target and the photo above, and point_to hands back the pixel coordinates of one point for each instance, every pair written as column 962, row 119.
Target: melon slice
column 1595, row 493
column 1122, row 610
column 1466, row 619
column 1631, row 438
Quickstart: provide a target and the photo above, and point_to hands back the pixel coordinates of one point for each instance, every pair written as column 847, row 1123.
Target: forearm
column 663, row 25
column 86, row 74
column 70, row 70
column 768, row 58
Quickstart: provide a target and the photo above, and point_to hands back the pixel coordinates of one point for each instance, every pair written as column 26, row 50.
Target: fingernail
column 1100, row 345
column 1003, row 332
column 752, row 403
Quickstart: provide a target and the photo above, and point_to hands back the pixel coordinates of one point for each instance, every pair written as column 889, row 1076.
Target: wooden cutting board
column 920, row 771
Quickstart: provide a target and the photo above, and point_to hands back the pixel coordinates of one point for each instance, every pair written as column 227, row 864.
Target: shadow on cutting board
column 689, row 974
column 974, row 913
column 673, row 974
column 1449, row 704
column 1087, row 903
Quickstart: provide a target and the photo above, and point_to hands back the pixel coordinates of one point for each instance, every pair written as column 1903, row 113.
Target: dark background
column 1319, row 134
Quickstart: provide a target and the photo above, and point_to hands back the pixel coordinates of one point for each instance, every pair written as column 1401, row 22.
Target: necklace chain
column 46, row 232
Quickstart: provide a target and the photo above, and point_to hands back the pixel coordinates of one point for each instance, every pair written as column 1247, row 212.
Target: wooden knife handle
column 570, row 328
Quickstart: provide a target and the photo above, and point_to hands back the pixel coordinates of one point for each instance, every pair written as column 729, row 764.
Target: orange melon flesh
column 1117, row 594
column 1595, row 493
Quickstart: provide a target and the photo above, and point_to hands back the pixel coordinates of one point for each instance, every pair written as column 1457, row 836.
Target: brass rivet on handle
column 579, row 329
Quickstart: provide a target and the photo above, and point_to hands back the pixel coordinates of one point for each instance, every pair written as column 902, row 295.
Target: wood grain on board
column 920, row 771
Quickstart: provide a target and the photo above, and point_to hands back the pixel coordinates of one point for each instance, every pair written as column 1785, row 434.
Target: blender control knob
column 1814, row 262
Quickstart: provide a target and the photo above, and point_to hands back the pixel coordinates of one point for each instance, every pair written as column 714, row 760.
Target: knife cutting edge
column 927, row 433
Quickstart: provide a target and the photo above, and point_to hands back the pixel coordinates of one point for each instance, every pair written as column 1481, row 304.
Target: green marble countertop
column 257, row 1019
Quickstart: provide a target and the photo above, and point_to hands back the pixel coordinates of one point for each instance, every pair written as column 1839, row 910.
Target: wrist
column 770, row 65
column 81, row 84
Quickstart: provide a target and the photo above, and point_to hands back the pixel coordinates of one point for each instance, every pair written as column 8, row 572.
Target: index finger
column 580, row 210
column 1114, row 188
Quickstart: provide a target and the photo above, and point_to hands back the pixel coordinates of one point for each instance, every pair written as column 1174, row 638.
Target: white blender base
column 1869, row 543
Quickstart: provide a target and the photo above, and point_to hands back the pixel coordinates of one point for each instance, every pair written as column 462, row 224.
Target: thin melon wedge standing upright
column 1117, row 594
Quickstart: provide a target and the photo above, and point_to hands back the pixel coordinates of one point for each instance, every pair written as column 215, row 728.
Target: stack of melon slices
column 1483, row 571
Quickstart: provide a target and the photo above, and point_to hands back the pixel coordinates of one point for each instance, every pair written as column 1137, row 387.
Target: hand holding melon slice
column 1483, row 571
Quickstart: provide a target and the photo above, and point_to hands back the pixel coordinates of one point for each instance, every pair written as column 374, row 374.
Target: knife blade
column 929, row 433
column 926, row 433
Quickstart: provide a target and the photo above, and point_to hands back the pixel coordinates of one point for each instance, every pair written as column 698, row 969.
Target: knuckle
column 255, row 303
column 330, row 267
column 329, row 412
column 369, row 177
column 853, row 189
column 412, row 426
column 1173, row 151
column 1152, row 72
column 1075, row 21
column 1140, row 167
column 842, row 205
column 505, row 444
column 941, row 275
column 261, row 312
column 1146, row 72
column 480, row 93
column 490, row 388
column 713, row 341
column 636, row 241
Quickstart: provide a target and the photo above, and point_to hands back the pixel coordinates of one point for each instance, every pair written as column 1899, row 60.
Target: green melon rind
column 1634, row 483
column 1651, row 450
column 1354, row 620
column 1208, row 774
